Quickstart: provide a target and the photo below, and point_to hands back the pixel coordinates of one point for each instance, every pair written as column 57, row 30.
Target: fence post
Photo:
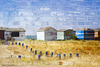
column 70, row 54
column 22, row 44
column 51, row 54
column 39, row 56
column 35, row 52
column 19, row 43
column 26, row 47
column 77, row 55
column 64, row 55
column 59, row 56
column 46, row 53
column 31, row 49
column 15, row 43
column 40, row 53
column 19, row 56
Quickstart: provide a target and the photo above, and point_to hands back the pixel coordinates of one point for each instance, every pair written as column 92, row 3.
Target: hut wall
column 50, row 34
column 97, row 35
column 80, row 34
column 2, row 34
column 89, row 34
column 60, row 35
column 68, row 34
column 40, row 35
column 85, row 34
column 21, row 36
column 7, row 35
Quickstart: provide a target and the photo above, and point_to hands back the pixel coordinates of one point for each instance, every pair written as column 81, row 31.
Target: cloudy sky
column 60, row 14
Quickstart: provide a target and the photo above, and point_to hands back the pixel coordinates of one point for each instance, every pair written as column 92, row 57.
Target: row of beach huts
column 50, row 34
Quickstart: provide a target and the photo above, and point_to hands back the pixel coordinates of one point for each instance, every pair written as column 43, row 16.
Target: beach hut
column 97, row 34
column 85, row 34
column 2, row 33
column 65, row 34
column 47, row 34
column 14, row 34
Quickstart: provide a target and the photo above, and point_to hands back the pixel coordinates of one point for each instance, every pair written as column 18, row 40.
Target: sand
column 9, row 58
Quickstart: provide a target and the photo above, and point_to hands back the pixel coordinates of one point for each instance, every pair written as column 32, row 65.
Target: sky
column 59, row 14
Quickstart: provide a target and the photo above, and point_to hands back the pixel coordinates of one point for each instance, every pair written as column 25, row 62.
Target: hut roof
column 83, row 29
column 45, row 28
column 62, row 30
column 98, row 29
column 15, row 29
column 1, row 28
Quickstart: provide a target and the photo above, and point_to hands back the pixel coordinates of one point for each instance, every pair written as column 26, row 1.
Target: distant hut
column 65, row 34
column 85, row 34
column 14, row 34
column 2, row 33
column 47, row 34
column 97, row 34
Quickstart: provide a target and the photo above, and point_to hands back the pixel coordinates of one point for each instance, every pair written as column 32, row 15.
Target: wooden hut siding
column 2, row 34
column 97, row 35
column 21, row 36
column 50, row 34
column 7, row 35
column 68, row 34
column 85, row 34
column 47, row 34
column 65, row 34
column 14, row 34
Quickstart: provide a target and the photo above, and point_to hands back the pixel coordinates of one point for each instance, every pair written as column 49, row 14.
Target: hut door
column 2, row 34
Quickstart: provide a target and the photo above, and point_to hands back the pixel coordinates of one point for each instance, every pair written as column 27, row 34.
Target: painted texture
column 40, row 35
column 2, row 34
column 85, row 34
column 21, row 36
column 60, row 35
column 97, row 35
column 47, row 35
column 33, row 14
column 80, row 34
column 65, row 35
column 68, row 34
column 50, row 34
column 89, row 34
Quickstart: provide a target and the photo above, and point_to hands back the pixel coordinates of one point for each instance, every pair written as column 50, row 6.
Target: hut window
column 15, row 34
column 53, row 33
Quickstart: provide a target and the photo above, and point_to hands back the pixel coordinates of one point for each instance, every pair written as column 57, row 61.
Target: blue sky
column 60, row 14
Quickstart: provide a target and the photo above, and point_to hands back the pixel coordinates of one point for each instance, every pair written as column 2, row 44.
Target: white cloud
column 45, row 8
column 37, row 23
column 18, row 19
column 62, row 19
column 29, row 18
column 54, row 13
column 25, row 14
